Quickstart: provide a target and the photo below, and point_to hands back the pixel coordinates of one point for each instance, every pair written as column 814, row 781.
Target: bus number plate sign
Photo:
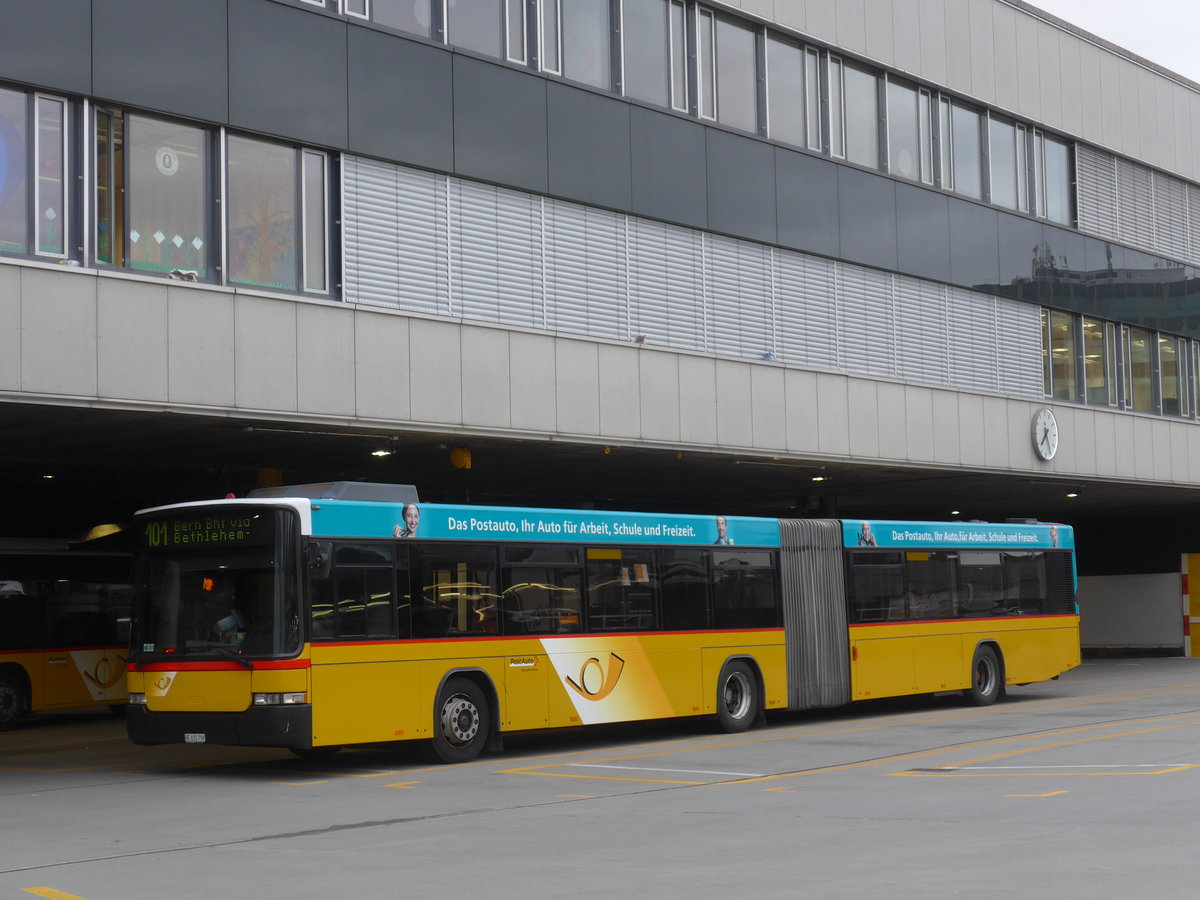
column 194, row 738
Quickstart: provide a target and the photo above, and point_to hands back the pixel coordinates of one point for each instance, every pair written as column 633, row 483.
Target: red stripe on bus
column 895, row 622
column 481, row 639
column 218, row 665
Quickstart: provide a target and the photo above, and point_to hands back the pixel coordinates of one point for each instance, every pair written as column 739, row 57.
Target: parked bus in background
column 64, row 629
column 321, row 616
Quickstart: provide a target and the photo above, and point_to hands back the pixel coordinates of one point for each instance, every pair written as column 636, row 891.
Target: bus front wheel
column 987, row 680
column 737, row 697
column 461, row 721
column 12, row 701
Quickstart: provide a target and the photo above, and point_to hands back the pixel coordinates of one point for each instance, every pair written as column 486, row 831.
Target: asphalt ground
column 1084, row 787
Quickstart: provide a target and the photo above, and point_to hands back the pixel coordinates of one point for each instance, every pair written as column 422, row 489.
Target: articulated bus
column 321, row 616
column 64, row 630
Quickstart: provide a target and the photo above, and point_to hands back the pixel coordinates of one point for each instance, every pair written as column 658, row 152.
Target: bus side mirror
column 320, row 558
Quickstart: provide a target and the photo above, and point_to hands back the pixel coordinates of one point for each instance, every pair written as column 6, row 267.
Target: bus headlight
column 280, row 699
column 137, row 699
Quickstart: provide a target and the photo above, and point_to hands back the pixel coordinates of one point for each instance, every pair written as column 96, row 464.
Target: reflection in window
column 412, row 16
column 860, row 116
column 480, row 25
column 684, row 581
column 744, row 593
column 707, row 53
column 1056, row 178
column 167, row 202
column 262, row 214
column 585, row 33
column 737, row 73
column 837, row 123
column 110, row 185
column 1139, row 370
column 1171, row 367
column 1059, row 354
column 877, row 587
column 966, row 151
column 1099, row 362
column 14, row 199
column 646, row 35
column 786, row 97
column 316, row 217
column 50, row 201
column 453, row 591
column 1007, row 153
column 910, row 141
column 542, row 600
column 621, row 587
column 932, row 584
column 549, row 39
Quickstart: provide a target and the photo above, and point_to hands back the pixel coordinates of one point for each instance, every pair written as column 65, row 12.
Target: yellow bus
column 321, row 616
column 64, row 630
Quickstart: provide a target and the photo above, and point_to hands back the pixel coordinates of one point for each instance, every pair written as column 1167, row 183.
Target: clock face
column 1045, row 434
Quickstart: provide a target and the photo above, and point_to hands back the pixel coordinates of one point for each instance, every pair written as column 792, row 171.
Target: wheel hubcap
column 737, row 695
column 460, row 719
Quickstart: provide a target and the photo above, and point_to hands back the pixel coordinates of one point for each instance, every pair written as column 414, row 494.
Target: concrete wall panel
column 58, row 333
column 1029, row 76
column 1050, row 90
column 697, row 414
column 768, row 407
column 131, row 340
column 934, row 49
column 1007, row 55
column 972, row 442
column 485, row 395
column 203, row 367
column 867, row 401
column 833, row 414
column 621, row 391
column 577, row 376
column 667, row 396
column 918, row 422
column 531, row 370
column 735, row 424
column 943, row 432
column 802, row 411
column 324, row 360
column 10, row 328
column 1071, row 81
column 983, row 51
column 435, row 382
column 265, row 354
column 382, row 367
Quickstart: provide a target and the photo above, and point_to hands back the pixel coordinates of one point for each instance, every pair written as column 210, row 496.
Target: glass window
column 316, row 218
column 909, row 139
column 684, row 581
column 861, row 116
column 1139, row 369
column 110, row 186
column 542, row 599
column 945, row 144
column 356, row 7
column 621, row 588
column 261, row 207
column 14, row 191
column 1057, row 164
column 168, row 197
column 453, row 591
column 1171, row 367
column 982, row 580
column 1060, row 355
column 932, row 584
column 1024, row 582
column 876, row 587
column 51, row 161
column 812, row 98
column 646, row 34
column 737, row 75
column 786, row 113
column 1098, row 360
column 744, row 593
column 966, row 152
column 549, row 37
column 678, row 54
column 837, row 120
column 479, row 25
column 707, row 54
column 412, row 16
column 585, row 35
column 1002, row 147
column 514, row 19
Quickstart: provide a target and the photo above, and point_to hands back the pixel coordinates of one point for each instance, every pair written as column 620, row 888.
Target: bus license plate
column 193, row 738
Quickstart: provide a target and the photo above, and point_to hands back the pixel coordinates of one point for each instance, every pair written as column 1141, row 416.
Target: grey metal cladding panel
column 27, row 30
column 588, row 137
column 669, row 170
column 400, row 99
column 867, row 218
column 923, row 232
column 974, row 244
column 814, row 613
column 806, row 204
column 165, row 56
column 287, row 72
column 741, row 186
column 499, row 124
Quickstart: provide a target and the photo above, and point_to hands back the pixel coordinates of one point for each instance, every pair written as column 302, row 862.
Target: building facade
column 876, row 234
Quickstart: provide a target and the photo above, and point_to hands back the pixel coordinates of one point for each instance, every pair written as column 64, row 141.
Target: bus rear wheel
column 461, row 721
column 12, row 701
column 737, row 697
column 987, row 682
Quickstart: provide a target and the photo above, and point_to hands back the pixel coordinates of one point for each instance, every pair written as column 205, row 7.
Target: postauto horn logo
column 595, row 682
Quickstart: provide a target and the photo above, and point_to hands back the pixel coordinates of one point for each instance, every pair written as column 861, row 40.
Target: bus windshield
column 213, row 590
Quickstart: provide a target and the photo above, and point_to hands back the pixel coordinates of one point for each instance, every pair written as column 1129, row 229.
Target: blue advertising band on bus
column 985, row 535
column 434, row 521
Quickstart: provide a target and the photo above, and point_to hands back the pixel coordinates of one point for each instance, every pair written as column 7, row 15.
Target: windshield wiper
column 222, row 649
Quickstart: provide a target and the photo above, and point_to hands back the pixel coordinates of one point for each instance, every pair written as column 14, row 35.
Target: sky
column 1162, row 31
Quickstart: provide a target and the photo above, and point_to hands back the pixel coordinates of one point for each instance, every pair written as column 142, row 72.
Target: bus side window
column 685, row 582
column 876, row 587
column 745, row 594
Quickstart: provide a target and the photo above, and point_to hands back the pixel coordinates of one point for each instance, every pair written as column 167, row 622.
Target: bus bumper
column 266, row 726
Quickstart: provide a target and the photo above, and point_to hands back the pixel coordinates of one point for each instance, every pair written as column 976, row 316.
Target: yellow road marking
column 51, row 893
column 403, row 785
column 1051, row 794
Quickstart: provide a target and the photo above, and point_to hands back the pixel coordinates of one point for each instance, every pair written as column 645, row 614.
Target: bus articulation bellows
column 322, row 616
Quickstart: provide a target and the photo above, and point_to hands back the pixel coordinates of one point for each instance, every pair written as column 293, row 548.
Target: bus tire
column 12, row 701
column 737, row 696
column 461, row 721
column 987, row 678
